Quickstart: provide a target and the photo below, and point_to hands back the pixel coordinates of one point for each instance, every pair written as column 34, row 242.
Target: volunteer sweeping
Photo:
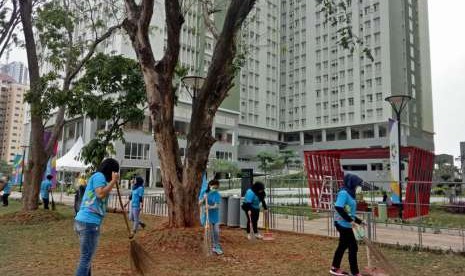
column 345, row 219
column 92, row 211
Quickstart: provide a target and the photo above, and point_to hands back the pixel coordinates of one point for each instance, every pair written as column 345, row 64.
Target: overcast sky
column 447, row 42
column 446, row 22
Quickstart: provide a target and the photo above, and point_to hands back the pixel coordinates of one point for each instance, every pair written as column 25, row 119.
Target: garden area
column 52, row 248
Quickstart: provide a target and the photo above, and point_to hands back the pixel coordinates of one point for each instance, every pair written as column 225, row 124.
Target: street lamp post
column 398, row 103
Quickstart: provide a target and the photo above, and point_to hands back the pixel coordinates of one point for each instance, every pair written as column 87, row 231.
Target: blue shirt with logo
column 251, row 197
column 346, row 201
column 92, row 208
column 213, row 197
column 137, row 195
column 44, row 188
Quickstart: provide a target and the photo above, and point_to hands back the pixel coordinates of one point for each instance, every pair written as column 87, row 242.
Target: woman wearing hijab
column 137, row 203
column 92, row 211
column 344, row 220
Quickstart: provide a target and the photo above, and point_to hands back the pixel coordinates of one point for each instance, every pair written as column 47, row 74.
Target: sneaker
column 217, row 249
column 258, row 236
column 337, row 272
column 142, row 224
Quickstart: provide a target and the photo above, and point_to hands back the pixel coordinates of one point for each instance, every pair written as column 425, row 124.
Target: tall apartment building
column 330, row 98
column 17, row 70
column 11, row 117
column 298, row 88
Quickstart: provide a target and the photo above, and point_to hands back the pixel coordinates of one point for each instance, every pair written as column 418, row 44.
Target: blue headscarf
column 139, row 183
column 351, row 181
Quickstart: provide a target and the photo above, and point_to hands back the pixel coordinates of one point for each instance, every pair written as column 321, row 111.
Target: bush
column 456, row 208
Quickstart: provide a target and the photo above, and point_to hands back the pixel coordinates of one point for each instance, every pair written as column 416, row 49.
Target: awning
column 69, row 161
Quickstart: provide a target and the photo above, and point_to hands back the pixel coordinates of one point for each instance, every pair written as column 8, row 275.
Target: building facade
column 11, row 117
column 17, row 70
column 330, row 98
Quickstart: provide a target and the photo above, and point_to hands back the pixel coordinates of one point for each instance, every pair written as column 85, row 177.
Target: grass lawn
column 50, row 247
column 439, row 217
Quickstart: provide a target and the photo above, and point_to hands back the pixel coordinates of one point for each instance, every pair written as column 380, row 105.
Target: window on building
column 137, row 151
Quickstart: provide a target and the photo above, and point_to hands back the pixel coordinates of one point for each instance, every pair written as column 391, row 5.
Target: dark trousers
column 346, row 240
column 5, row 199
column 255, row 214
column 46, row 201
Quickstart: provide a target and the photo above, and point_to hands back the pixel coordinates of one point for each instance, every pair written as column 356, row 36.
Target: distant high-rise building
column 325, row 96
column 11, row 117
column 17, row 70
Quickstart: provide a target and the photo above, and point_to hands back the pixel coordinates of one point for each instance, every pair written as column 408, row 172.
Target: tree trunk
column 182, row 183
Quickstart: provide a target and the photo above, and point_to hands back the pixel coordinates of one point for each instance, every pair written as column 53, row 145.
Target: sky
column 447, row 46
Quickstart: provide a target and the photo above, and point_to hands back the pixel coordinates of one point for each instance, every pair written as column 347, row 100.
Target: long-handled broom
column 207, row 235
column 139, row 258
column 375, row 252
column 267, row 236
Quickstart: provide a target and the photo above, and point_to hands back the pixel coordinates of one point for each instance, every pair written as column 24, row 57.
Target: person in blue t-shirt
column 213, row 198
column 45, row 188
column 137, row 203
column 92, row 211
column 6, row 190
column 344, row 220
column 254, row 197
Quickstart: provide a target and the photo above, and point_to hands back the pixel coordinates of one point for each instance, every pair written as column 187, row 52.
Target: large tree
column 67, row 33
column 181, row 179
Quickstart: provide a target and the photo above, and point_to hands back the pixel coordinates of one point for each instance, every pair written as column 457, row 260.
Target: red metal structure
column 326, row 163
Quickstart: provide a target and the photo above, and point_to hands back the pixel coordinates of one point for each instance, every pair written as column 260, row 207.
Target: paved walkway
column 389, row 234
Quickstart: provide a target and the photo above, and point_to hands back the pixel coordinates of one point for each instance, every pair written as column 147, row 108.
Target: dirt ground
column 48, row 246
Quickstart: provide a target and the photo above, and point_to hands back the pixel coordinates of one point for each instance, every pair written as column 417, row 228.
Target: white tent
column 68, row 161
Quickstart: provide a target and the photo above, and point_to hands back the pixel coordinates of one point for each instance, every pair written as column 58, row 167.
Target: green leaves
column 112, row 89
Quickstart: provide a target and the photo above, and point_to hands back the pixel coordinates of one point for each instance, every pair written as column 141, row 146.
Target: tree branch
column 91, row 50
column 146, row 15
column 174, row 21
column 207, row 21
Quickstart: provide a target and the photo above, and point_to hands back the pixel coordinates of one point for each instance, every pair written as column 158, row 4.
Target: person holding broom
column 344, row 221
column 137, row 203
column 254, row 197
column 93, row 210
column 213, row 199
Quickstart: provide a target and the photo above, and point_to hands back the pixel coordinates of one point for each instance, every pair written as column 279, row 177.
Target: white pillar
column 302, row 138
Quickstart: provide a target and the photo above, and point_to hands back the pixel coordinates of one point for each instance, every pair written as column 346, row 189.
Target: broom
column 139, row 258
column 267, row 236
column 375, row 252
column 207, row 231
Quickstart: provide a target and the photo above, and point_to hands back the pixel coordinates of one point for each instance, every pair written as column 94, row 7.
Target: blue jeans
column 134, row 216
column 215, row 234
column 89, row 234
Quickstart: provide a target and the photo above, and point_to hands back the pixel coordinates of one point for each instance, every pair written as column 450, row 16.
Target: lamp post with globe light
column 398, row 104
